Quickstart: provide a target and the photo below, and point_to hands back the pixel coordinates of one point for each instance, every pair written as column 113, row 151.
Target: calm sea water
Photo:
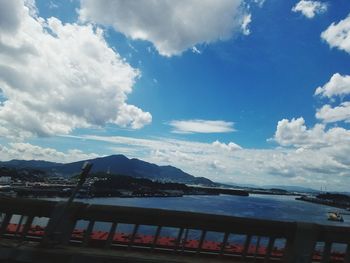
column 283, row 208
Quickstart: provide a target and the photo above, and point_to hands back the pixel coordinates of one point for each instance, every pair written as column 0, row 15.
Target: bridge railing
column 157, row 230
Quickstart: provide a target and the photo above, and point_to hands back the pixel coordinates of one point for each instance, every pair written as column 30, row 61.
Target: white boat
column 335, row 216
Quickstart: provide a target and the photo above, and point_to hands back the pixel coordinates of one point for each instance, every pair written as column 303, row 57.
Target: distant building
column 57, row 180
column 4, row 180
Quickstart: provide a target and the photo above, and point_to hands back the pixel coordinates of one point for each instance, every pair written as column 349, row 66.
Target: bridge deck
column 59, row 241
column 11, row 251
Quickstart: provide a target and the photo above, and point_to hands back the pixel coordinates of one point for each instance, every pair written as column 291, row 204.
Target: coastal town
column 35, row 183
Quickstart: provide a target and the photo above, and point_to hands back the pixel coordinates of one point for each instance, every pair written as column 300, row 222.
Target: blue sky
column 240, row 91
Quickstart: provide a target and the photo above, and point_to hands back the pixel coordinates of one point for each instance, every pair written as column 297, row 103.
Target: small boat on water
column 335, row 216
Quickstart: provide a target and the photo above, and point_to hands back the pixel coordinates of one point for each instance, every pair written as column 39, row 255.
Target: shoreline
column 64, row 191
column 319, row 201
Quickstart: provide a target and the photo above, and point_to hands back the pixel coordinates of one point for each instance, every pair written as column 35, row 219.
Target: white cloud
column 231, row 146
column 172, row 26
column 10, row 16
column 330, row 114
column 320, row 152
column 57, row 77
column 320, row 155
column 310, row 8
column 245, row 24
column 201, row 126
column 196, row 50
column 338, row 35
column 338, row 85
column 217, row 165
column 26, row 151
column 295, row 133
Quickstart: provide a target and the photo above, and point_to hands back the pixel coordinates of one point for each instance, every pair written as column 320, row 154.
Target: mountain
column 27, row 164
column 115, row 164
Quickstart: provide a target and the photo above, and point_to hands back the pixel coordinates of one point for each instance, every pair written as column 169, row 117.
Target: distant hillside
column 27, row 164
column 27, row 174
column 290, row 188
column 293, row 188
column 115, row 164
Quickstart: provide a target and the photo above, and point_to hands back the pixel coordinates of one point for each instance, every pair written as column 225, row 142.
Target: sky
column 238, row 91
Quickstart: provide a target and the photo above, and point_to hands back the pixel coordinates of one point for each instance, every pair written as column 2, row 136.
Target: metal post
column 55, row 230
column 301, row 248
column 85, row 169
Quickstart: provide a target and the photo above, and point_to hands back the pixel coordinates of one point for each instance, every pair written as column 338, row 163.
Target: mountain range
column 114, row 164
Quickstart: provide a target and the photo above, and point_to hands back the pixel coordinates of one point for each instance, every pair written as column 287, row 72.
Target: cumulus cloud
column 319, row 151
column 338, row 35
column 310, row 8
column 338, row 85
column 330, row 114
column 56, row 77
column 217, row 165
column 319, row 156
column 172, row 26
column 10, row 16
column 26, row 151
column 295, row 133
column 231, row 146
column 201, row 126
